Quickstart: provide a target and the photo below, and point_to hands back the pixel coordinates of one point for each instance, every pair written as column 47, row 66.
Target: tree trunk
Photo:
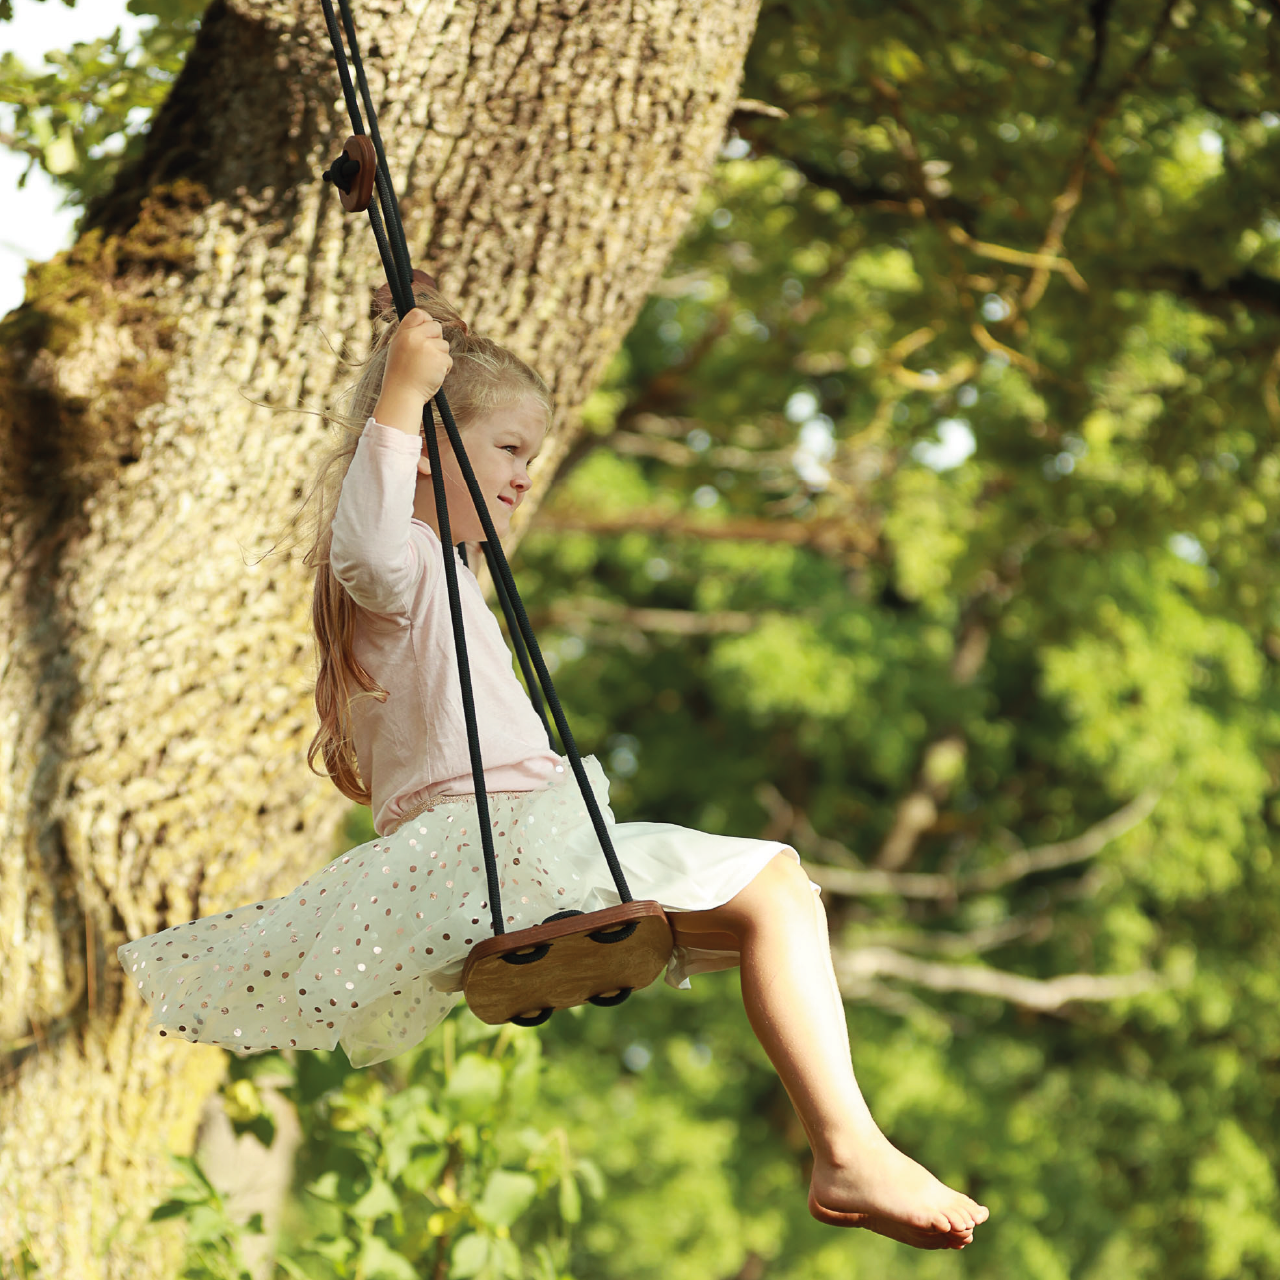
column 154, row 676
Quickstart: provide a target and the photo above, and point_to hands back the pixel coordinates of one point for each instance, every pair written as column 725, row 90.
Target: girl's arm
column 417, row 362
column 372, row 554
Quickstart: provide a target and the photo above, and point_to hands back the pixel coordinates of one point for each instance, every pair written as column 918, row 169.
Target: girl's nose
column 520, row 480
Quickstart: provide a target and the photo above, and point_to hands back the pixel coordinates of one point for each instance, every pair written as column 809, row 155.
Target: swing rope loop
column 393, row 249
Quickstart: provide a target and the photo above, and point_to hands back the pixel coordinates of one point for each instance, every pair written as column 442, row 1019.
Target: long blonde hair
column 484, row 376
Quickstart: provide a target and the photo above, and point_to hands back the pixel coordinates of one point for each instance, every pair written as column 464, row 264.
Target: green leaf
column 504, row 1258
column 379, row 1261
column 170, row 1209
column 570, row 1199
column 377, row 1202
column 325, row 1187
column 470, row 1256
column 589, row 1172
column 506, row 1196
column 476, row 1085
column 333, row 1248
column 422, row 1172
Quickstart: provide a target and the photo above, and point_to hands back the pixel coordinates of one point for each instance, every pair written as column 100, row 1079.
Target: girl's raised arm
column 372, row 554
column 417, row 361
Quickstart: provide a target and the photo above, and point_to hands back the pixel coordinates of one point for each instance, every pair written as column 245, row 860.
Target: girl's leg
column 794, row 1006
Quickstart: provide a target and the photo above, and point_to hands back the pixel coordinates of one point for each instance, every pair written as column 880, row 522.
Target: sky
column 33, row 225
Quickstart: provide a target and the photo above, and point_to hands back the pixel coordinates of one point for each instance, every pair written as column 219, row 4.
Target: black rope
column 344, row 74
column 499, row 559
column 394, row 251
column 386, row 194
column 518, row 644
column 390, row 248
column 464, row 673
column 384, row 252
column 401, row 296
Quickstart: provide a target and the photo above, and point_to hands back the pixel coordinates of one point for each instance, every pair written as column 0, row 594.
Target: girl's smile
column 501, row 444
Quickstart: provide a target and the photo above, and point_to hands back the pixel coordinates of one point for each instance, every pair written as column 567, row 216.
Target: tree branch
column 676, row 453
column 839, row 537
column 855, row 968
column 787, row 822
column 680, row 622
column 1050, row 857
column 849, row 882
column 971, row 942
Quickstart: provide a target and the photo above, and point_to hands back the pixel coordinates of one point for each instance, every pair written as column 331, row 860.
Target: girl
column 369, row 952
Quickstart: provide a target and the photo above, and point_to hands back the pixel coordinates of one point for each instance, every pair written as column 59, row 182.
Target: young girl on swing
column 369, row 952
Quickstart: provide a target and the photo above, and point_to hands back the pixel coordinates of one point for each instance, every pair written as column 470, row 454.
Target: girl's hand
column 417, row 362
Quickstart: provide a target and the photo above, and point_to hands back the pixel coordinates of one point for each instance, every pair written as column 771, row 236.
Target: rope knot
column 342, row 172
column 352, row 173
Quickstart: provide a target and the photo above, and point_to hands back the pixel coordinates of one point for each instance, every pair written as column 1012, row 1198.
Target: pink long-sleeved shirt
column 414, row 745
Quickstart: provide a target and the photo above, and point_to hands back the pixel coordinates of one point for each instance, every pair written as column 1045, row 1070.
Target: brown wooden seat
column 597, row 957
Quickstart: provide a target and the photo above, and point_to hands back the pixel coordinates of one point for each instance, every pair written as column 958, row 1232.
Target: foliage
column 83, row 120
column 213, row 1236
column 428, row 1166
column 939, row 478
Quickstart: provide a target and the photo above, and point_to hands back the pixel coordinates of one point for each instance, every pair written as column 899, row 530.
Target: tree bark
column 154, row 676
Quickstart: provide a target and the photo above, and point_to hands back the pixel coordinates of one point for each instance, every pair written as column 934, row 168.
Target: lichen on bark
column 154, row 670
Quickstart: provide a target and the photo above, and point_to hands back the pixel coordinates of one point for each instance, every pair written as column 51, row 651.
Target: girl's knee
column 786, row 880
column 779, row 891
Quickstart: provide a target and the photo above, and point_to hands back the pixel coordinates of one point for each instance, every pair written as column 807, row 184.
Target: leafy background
column 926, row 520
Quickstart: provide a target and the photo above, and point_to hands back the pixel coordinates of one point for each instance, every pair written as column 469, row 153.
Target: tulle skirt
column 368, row 953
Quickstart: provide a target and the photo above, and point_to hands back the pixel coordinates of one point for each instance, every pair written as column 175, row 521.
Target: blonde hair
column 484, row 376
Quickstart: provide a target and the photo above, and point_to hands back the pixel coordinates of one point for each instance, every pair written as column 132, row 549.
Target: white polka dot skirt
column 369, row 952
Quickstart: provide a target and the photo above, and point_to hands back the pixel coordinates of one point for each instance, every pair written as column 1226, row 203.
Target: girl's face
column 500, row 445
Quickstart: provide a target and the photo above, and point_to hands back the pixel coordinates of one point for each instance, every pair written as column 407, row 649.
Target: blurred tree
column 928, row 522
column 84, row 120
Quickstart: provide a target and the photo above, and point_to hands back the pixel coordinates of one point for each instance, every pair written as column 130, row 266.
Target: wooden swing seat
column 523, row 977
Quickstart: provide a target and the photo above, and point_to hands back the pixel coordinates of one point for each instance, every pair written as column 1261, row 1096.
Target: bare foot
column 879, row 1188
